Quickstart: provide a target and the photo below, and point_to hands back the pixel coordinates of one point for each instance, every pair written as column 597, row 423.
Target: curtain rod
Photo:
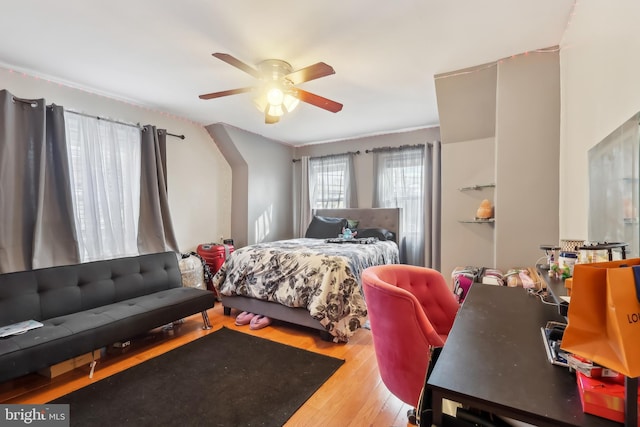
column 330, row 155
column 137, row 125
column 401, row 147
column 133, row 125
column 34, row 103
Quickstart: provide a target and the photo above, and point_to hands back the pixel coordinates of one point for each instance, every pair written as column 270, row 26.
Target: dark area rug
column 226, row 378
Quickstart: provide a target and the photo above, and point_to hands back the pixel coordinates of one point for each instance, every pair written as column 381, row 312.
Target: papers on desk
column 19, row 328
column 552, row 338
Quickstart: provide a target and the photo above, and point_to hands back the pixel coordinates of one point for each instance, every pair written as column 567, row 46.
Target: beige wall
column 600, row 69
column 262, row 190
column 527, row 148
column 465, row 164
column 199, row 179
column 521, row 159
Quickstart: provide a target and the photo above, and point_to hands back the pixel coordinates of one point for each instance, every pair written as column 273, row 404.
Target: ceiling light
column 273, row 101
column 290, row 102
column 275, row 96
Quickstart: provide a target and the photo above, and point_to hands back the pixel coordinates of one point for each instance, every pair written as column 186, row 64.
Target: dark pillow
column 324, row 227
column 380, row 233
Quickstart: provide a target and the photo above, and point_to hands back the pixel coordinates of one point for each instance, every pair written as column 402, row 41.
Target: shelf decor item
column 485, row 211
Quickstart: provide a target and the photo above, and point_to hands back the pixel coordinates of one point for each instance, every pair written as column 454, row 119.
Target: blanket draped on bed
column 322, row 277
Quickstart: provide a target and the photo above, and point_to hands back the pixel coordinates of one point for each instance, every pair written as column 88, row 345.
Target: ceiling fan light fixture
column 290, row 102
column 275, row 101
column 277, row 94
column 275, row 110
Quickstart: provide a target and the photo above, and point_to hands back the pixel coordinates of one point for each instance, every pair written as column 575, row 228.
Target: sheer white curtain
column 332, row 182
column 400, row 182
column 104, row 163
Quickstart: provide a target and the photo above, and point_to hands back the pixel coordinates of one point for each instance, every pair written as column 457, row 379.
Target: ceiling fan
column 276, row 92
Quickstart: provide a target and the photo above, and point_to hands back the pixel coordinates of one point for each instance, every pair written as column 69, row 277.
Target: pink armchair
column 411, row 310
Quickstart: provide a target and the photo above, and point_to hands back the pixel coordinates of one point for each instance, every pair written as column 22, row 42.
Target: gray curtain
column 302, row 213
column 36, row 229
column 433, row 200
column 155, row 229
column 408, row 177
column 351, row 199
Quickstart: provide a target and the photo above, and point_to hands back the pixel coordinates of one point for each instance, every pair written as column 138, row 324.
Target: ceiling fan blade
column 225, row 93
column 317, row 100
column 237, row 63
column 311, row 72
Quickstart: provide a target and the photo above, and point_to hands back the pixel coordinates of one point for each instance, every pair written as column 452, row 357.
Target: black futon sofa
column 92, row 305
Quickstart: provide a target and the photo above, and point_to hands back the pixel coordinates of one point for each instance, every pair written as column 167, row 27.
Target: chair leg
column 411, row 416
column 205, row 319
column 425, row 404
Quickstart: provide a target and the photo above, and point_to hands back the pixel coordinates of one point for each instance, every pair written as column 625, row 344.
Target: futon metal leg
column 205, row 319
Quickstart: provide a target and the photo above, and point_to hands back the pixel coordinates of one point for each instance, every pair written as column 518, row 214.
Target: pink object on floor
column 244, row 318
column 259, row 322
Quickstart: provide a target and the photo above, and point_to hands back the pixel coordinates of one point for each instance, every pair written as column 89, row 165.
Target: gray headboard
column 388, row 218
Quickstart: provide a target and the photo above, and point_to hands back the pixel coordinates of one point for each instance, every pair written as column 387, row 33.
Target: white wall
column 199, row 179
column 600, row 84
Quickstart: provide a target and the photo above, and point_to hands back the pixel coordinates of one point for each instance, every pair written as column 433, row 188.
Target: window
column 400, row 177
column 104, row 163
column 330, row 182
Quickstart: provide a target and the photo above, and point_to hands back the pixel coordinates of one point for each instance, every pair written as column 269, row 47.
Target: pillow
column 380, row 233
column 353, row 223
column 324, row 227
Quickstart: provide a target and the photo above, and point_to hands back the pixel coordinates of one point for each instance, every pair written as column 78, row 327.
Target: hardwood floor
column 354, row 396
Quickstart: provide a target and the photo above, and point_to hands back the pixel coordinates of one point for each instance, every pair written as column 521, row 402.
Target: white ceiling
column 157, row 53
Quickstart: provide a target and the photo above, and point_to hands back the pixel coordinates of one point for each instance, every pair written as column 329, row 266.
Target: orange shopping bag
column 604, row 315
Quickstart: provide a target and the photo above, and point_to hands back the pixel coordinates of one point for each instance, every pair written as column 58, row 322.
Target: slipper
column 259, row 322
column 244, row 318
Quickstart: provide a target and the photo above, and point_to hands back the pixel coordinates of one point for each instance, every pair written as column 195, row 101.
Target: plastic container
column 192, row 272
column 568, row 259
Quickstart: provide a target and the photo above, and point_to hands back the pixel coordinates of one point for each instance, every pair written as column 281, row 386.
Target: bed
column 312, row 281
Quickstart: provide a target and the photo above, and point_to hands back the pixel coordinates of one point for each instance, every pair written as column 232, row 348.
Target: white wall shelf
column 476, row 187
column 477, row 221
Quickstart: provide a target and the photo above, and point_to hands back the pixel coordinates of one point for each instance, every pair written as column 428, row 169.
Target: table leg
column 631, row 401
column 437, row 407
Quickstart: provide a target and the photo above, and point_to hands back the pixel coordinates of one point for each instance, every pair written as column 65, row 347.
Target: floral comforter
column 320, row 276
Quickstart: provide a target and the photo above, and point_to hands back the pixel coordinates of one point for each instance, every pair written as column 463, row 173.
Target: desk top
column 495, row 358
column 554, row 285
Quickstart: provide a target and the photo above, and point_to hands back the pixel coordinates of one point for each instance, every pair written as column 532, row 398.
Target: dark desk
column 494, row 360
column 555, row 286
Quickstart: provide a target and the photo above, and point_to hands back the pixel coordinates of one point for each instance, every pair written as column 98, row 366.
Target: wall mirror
column 613, row 187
